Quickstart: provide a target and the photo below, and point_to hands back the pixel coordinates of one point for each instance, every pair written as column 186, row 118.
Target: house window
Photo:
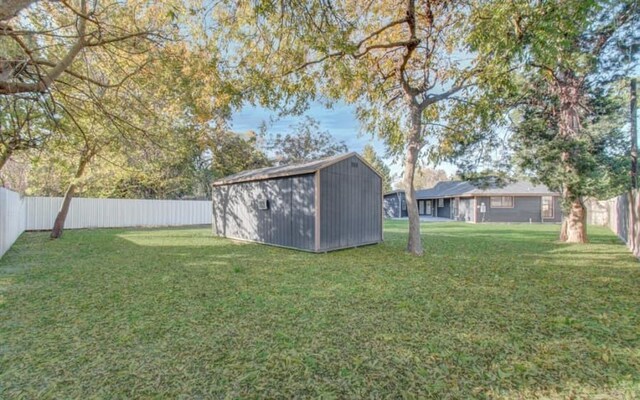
column 403, row 205
column 428, row 211
column 547, row 207
column 263, row 204
column 440, row 203
column 501, row 202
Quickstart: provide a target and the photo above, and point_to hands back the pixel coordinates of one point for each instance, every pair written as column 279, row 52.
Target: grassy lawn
column 491, row 311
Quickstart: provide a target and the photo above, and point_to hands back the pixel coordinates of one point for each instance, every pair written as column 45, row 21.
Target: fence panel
column 117, row 213
column 12, row 218
column 618, row 215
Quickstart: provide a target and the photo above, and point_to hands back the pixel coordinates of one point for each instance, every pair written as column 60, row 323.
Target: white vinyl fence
column 621, row 215
column 12, row 218
column 116, row 213
column 38, row 213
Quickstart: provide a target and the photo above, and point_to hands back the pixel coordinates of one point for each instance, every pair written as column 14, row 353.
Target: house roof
column 445, row 189
column 466, row 188
column 304, row 168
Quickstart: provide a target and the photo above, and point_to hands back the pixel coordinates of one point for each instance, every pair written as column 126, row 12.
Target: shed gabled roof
column 466, row 188
column 308, row 167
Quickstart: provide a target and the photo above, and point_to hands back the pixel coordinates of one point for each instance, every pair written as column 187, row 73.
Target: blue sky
column 340, row 121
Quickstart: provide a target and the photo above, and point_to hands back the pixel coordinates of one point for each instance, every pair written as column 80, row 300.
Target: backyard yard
column 490, row 311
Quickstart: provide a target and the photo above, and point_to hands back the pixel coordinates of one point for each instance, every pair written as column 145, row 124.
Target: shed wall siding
column 350, row 205
column 289, row 220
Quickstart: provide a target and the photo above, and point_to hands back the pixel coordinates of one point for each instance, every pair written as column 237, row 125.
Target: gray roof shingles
column 465, row 188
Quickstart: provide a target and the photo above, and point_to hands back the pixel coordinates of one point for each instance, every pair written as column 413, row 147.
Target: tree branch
column 43, row 82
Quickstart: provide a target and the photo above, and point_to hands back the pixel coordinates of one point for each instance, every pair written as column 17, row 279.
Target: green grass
column 490, row 311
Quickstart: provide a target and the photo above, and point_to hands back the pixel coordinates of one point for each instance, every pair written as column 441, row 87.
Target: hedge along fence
column 621, row 215
column 38, row 213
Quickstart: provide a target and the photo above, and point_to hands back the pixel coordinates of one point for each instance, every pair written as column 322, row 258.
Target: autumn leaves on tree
column 138, row 84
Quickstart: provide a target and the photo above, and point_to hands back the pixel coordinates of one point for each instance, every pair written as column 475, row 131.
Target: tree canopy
column 370, row 155
column 306, row 142
column 134, row 98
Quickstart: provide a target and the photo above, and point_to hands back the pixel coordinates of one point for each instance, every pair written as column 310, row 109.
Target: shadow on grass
column 489, row 311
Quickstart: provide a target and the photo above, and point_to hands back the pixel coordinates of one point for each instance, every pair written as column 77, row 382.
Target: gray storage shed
column 323, row 205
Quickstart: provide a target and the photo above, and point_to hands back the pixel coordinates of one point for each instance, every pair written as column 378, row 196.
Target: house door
column 428, row 207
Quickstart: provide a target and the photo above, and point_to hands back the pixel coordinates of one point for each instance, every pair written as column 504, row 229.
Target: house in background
column 520, row 201
column 317, row 206
column 395, row 205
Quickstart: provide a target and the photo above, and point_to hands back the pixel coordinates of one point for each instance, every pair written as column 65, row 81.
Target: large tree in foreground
column 561, row 45
column 601, row 152
column 44, row 42
column 403, row 64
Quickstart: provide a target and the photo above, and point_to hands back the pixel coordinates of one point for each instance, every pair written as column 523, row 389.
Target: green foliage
column 26, row 122
column 427, row 178
column 554, row 36
column 370, row 155
column 490, row 311
column 302, row 51
column 147, row 107
column 305, row 143
column 233, row 153
column 567, row 127
column 600, row 154
column 182, row 164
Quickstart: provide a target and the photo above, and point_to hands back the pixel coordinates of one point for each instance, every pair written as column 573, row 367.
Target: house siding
column 525, row 209
column 350, row 205
column 392, row 205
column 444, row 211
column 289, row 220
column 403, row 198
column 465, row 210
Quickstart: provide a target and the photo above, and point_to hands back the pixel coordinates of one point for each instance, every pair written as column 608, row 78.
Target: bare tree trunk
column 576, row 223
column 58, row 225
column 633, row 108
column 633, row 218
column 563, row 229
column 414, row 245
column 633, row 240
column 4, row 157
column 574, row 227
